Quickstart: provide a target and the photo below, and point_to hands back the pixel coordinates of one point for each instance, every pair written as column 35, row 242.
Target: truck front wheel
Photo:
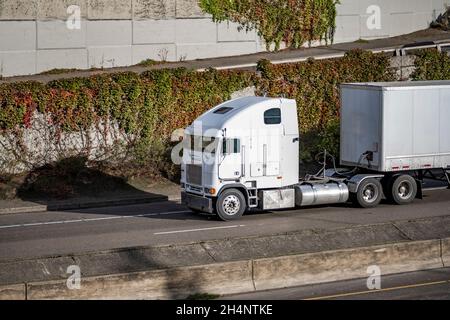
column 230, row 205
column 403, row 190
column 369, row 193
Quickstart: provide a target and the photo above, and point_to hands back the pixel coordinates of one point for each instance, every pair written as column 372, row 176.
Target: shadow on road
column 72, row 178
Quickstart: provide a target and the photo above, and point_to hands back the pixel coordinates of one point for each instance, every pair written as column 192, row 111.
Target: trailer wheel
column 369, row 193
column 230, row 205
column 403, row 190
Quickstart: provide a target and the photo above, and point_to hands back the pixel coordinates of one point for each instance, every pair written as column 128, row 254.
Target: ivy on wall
column 146, row 107
column 432, row 65
column 293, row 22
column 150, row 106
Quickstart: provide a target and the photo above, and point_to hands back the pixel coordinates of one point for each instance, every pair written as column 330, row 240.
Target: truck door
column 230, row 167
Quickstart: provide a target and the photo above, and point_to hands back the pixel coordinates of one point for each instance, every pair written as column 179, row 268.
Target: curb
column 13, row 292
column 445, row 252
column 84, row 205
column 246, row 275
column 33, row 208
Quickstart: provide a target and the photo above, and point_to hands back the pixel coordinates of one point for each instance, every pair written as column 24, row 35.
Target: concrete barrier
column 13, row 292
column 176, row 283
column 107, row 262
column 246, row 276
column 345, row 264
column 231, row 266
column 445, row 245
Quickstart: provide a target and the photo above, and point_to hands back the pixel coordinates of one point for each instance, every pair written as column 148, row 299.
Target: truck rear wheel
column 403, row 190
column 230, row 205
column 369, row 193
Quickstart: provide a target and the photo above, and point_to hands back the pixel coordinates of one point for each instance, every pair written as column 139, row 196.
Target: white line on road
column 197, row 230
column 91, row 219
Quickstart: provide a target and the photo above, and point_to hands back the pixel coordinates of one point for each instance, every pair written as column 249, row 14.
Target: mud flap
column 419, row 194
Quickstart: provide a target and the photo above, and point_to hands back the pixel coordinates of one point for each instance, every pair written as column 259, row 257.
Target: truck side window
column 230, row 146
column 272, row 116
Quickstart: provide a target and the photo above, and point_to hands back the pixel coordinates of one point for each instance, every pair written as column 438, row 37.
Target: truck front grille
column 195, row 189
column 194, row 174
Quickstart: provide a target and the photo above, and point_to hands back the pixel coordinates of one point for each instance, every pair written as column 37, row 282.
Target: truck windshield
column 201, row 144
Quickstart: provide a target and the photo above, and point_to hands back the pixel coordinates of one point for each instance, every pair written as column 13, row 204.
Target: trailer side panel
column 360, row 124
column 414, row 130
column 444, row 127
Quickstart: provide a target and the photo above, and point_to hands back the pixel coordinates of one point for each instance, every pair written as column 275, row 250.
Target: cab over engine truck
column 244, row 154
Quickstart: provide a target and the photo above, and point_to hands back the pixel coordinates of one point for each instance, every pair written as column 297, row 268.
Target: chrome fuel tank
column 318, row 194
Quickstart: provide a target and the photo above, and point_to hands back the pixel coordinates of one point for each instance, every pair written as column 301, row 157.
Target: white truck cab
column 237, row 148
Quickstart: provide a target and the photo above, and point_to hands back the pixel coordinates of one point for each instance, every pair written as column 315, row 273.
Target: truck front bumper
column 197, row 202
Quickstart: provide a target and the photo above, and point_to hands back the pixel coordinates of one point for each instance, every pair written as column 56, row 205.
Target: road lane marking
column 411, row 286
column 22, row 225
column 198, row 230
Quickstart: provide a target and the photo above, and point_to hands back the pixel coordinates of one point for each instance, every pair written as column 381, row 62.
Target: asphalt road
column 423, row 285
column 30, row 235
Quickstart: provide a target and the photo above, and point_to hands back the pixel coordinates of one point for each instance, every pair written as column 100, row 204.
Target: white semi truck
column 244, row 154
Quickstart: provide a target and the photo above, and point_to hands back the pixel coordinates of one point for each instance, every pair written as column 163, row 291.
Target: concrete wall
column 356, row 17
column 34, row 36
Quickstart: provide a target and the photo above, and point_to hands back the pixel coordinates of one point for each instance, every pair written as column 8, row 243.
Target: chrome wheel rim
column 404, row 190
column 370, row 193
column 231, row 205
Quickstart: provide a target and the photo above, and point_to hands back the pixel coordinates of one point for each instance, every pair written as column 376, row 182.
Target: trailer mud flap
column 419, row 194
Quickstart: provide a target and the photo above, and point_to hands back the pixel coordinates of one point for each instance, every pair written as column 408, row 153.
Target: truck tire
column 369, row 193
column 230, row 205
column 403, row 190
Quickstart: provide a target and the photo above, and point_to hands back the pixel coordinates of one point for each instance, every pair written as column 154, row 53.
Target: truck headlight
column 211, row 191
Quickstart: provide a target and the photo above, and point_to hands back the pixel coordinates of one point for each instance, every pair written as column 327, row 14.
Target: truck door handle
column 295, row 140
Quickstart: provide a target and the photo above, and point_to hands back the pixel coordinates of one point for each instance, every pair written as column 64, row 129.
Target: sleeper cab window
column 272, row 116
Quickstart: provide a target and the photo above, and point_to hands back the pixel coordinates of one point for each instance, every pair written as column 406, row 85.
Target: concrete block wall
column 34, row 36
column 356, row 18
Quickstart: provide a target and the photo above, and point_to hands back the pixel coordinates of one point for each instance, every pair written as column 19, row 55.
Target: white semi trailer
column 244, row 154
